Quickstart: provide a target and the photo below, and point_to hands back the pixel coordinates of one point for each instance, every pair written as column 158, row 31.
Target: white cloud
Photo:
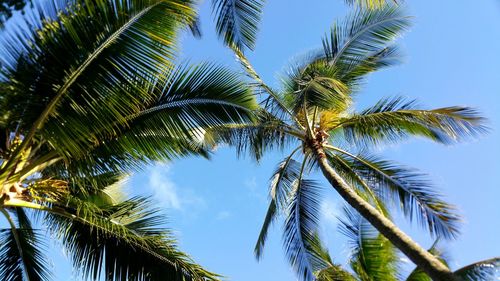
column 223, row 215
column 163, row 187
column 167, row 192
column 255, row 190
column 251, row 184
column 330, row 212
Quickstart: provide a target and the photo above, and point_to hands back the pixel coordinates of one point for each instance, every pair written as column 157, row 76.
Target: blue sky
column 216, row 207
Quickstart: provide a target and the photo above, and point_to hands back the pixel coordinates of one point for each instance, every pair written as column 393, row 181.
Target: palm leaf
column 373, row 257
column 189, row 102
column 282, row 182
column 125, row 45
column 393, row 119
column 301, row 225
column 486, row 270
column 317, row 85
column 352, row 73
column 122, row 240
column 335, row 273
column 370, row 4
column 414, row 194
column 266, row 133
column 364, row 33
column 21, row 247
column 237, row 21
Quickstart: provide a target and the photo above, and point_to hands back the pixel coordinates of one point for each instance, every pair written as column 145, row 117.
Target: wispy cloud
column 164, row 189
column 330, row 212
column 255, row 189
column 251, row 184
column 167, row 192
column 223, row 215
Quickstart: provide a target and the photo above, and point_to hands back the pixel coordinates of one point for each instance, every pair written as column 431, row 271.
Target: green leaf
column 410, row 191
column 353, row 73
column 82, row 58
column 486, row 270
column 282, row 182
column 301, row 226
column 122, row 240
column 190, row 101
column 335, row 273
column 365, row 33
column 317, row 85
column 237, row 21
column 266, row 133
column 370, row 4
column 373, row 257
column 21, row 248
column 395, row 118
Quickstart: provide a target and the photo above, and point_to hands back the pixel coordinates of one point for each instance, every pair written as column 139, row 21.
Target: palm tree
column 374, row 258
column 90, row 93
column 313, row 116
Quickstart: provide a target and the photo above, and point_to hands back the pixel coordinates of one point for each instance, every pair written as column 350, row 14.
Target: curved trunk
column 423, row 259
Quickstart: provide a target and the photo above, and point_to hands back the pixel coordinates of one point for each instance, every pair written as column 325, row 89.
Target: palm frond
column 203, row 96
column 373, row 257
column 322, row 258
column 317, row 85
column 364, row 34
column 286, row 174
column 353, row 73
column 358, row 47
column 274, row 103
column 301, row 226
column 237, row 21
column 343, row 166
column 21, row 248
column 371, row 4
column 410, row 191
column 394, row 118
column 487, row 270
column 266, row 133
column 85, row 184
column 190, row 101
column 335, row 273
column 127, row 46
column 123, row 240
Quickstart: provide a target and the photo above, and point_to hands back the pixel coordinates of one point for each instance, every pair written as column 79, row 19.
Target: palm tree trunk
column 423, row 259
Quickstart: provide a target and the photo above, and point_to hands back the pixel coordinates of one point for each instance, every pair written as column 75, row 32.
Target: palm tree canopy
column 314, row 107
column 89, row 92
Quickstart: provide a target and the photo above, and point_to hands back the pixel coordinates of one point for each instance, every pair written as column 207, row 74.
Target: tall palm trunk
column 423, row 259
